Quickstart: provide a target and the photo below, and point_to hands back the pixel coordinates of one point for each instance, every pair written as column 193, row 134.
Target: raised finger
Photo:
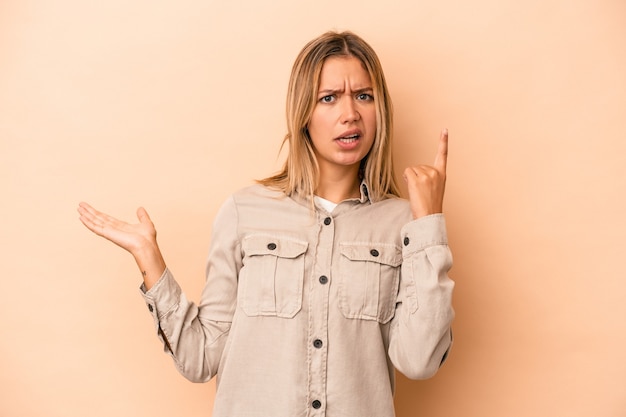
column 441, row 160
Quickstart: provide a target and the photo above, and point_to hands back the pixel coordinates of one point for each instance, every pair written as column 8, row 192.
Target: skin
column 343, row 106
column 426, row 184
column 137, row 238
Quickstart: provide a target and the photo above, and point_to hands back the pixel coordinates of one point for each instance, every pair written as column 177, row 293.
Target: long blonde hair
column 300, row 173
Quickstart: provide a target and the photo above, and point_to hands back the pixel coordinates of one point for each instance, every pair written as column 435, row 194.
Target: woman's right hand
column 139, row 238
column 132, row 237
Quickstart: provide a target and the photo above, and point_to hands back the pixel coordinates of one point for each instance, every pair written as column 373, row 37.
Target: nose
column 349, row 111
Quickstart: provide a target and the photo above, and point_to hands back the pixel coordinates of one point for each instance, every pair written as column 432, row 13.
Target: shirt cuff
column 163, row 296
column 423, row 232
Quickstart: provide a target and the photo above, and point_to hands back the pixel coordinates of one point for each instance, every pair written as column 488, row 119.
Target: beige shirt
column 306, row 313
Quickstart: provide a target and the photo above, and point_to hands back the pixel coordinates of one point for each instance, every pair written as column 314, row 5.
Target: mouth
column 349, row 137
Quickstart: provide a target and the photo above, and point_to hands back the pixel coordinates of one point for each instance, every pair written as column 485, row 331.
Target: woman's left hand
column 427, row 183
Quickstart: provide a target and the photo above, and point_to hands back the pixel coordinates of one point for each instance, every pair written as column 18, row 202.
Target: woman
column 320, row 280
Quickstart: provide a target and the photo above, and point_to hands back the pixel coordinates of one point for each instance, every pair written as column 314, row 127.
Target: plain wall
column 174, row 105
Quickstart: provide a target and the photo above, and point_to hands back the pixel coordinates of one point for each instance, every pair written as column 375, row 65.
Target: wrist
column 146, row 251
column 150, row 263
column 417, row 214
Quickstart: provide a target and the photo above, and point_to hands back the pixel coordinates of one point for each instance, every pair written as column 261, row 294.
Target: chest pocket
column 368, row 280
column 272, row 275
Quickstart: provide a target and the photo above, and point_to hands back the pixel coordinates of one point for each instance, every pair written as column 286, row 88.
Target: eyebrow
column 341, row 90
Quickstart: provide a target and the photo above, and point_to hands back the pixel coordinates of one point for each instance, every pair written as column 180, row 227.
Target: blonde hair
column 300, row 173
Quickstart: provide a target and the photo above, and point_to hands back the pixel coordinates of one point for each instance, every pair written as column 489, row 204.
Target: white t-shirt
column 328, row 205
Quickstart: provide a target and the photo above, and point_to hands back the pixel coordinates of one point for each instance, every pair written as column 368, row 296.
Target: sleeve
column 420, row 332
column 195, row 336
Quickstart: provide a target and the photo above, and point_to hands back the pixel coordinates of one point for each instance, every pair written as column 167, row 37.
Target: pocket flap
column 271, row 245
column 382, row 253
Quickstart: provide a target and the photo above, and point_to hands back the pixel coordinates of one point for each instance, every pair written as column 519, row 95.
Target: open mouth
column 349, row 138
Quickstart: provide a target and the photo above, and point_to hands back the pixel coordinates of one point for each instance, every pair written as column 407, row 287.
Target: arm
column 420, row 330
column 420, row 334
column 194, row 336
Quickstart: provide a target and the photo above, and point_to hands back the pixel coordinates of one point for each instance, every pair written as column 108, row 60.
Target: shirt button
column 316, row 404
column 406, row 241
column 374, row 252
column 327, row 221
column 323, row 279
column 271, row 246
column 150, row 308
column 318, row 343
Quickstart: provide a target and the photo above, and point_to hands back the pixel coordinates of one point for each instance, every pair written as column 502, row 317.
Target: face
column 343, row 123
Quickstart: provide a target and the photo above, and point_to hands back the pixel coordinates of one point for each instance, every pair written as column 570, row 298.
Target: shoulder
column 393, row 207
column 257, row 191
column 251, row 203
column 392, row 203
column 260, row 197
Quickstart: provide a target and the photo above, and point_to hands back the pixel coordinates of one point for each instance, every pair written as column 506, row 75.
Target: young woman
column 320, row 279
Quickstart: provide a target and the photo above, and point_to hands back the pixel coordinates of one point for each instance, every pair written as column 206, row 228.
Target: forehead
column 339, row 70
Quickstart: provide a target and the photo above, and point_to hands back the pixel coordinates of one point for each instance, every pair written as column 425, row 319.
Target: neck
column 338, row 186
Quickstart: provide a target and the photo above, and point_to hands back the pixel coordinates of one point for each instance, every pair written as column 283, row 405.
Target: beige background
column 175, row 105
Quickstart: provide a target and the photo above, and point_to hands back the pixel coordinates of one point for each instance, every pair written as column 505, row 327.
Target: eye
column 327, row 99
column 365, row 97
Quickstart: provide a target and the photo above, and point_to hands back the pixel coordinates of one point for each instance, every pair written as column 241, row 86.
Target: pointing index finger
column 441, row 159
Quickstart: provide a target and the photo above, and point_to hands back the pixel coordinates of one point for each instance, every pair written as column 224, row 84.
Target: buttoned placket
column 318, row 315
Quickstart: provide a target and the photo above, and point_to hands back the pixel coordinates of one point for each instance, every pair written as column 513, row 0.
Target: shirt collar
column 363, row 199
column 365, row 193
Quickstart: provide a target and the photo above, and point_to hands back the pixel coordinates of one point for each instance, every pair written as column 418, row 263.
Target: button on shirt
column 306, row 313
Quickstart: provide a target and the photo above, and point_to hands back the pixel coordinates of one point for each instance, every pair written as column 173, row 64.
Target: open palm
column 132, row 237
